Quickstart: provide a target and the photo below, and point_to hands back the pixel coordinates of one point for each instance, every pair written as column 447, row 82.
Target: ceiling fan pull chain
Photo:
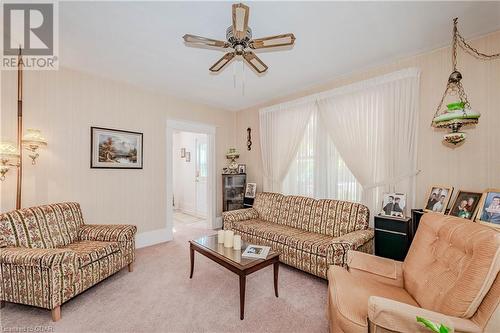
column 234, row 75
column 243, row 78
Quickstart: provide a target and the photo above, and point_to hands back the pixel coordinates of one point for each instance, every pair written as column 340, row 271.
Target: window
column 318, row 170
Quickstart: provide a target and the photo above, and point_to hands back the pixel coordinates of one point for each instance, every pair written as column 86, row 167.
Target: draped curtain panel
column 281, row 131
column 371, row 126
column 374, row 126
column 317, row 170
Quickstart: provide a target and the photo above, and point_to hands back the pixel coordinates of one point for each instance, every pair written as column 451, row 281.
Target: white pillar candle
column 228, row 238
column 237, row 242
column 220, row 236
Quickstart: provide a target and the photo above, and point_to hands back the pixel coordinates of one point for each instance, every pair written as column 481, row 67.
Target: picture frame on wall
column 438, row 198
column 394, row 205
column 183, row 152
column 488, row 210
column 465, row 204
column 188, row 156
column 115, row 149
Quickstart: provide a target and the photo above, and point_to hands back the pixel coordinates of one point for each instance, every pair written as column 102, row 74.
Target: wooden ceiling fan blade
column 255, row 62
column 241, row 14
column 192, row 39
column 222, row 62
column 273, row 41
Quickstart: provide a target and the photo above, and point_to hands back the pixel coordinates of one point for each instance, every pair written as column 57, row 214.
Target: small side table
column 393, row 237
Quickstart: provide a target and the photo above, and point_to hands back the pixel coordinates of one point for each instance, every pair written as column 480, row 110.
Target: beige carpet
column 159, row 297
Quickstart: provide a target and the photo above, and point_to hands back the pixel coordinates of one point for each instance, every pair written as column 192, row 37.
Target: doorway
column 190, row 176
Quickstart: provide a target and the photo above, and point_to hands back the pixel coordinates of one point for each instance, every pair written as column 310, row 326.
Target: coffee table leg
column 191, row 254
column 243, row 280
column 276, row 270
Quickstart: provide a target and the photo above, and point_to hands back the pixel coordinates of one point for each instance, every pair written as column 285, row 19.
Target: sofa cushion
column 92, row 251
column 284, row 235
column 348, row 296
column 451, row 264
column 268, row 205
column 297, row 211
column 48, row 226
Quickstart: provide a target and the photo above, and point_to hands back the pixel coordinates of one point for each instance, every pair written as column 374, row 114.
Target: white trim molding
column 152, row 237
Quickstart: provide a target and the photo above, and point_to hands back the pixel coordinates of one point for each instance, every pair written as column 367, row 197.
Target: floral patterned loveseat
column 49, row 255
column 308, row 234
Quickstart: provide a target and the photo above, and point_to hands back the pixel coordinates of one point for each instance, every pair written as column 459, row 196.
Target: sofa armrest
column 340, row 246
column 44, row 258
column 400, row 317
column 238, row 215
column 378, row 268
column 107, row 232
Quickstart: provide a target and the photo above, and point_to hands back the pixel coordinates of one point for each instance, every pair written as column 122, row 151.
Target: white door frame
column 209, row 130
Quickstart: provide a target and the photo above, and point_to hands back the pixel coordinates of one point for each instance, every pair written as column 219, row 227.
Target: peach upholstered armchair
column 450, row 276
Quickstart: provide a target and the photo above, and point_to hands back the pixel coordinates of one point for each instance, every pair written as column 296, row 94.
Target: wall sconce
column 32, row 141
column 9, row 155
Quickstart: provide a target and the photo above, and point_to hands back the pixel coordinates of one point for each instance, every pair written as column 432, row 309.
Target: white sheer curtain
column 374, row 127
column 281, row 131
column 317, row 169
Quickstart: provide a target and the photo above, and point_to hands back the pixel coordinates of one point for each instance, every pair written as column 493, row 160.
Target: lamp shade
column 8, row 150
column 33, row 137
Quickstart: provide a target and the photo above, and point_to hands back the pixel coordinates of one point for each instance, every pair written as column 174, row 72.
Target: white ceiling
column 141, row 43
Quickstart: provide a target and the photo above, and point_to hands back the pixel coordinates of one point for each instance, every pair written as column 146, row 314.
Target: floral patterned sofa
column 309, row 234
column 49, row 255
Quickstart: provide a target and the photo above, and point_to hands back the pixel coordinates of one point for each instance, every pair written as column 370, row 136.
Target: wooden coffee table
column 232, row 260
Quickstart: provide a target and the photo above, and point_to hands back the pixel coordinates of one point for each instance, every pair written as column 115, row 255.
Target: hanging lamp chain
column 460, row 40
column 455, row 77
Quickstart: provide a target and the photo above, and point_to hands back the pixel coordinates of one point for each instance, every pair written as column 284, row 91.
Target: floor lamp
column 12, row 155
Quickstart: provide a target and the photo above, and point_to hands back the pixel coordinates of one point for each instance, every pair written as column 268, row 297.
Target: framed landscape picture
column 115, row 149
column 465, row 204
column 438, row 198
column 488, row 211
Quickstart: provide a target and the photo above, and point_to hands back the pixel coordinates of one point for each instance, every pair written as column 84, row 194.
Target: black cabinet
column 392, row 237
column 233, row 191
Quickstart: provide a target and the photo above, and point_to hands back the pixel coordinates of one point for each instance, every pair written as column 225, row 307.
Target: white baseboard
column 152, row 237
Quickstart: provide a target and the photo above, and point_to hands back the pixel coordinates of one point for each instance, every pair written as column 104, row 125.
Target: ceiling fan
column 239, row 38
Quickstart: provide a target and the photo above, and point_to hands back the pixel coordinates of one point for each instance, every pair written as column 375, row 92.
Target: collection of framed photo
column 482, row 207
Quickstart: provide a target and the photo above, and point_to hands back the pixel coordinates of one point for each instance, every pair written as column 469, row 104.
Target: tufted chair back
column 452, row 264
column 47, row 226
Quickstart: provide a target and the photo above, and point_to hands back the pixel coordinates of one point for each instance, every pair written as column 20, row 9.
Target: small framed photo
column 188, row 156
column 242, row 168
column 488, row 211
column 394, row 205
column 251, row 190
column 438, row 198
column 183, row 152
column 465, row 204
column 115, row 149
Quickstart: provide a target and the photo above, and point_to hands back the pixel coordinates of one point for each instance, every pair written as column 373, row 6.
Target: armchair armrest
column 44, row 258
column 107, row 232
column 238, row 215
column 385, row 270
column 401, row 317
column 340, row 246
